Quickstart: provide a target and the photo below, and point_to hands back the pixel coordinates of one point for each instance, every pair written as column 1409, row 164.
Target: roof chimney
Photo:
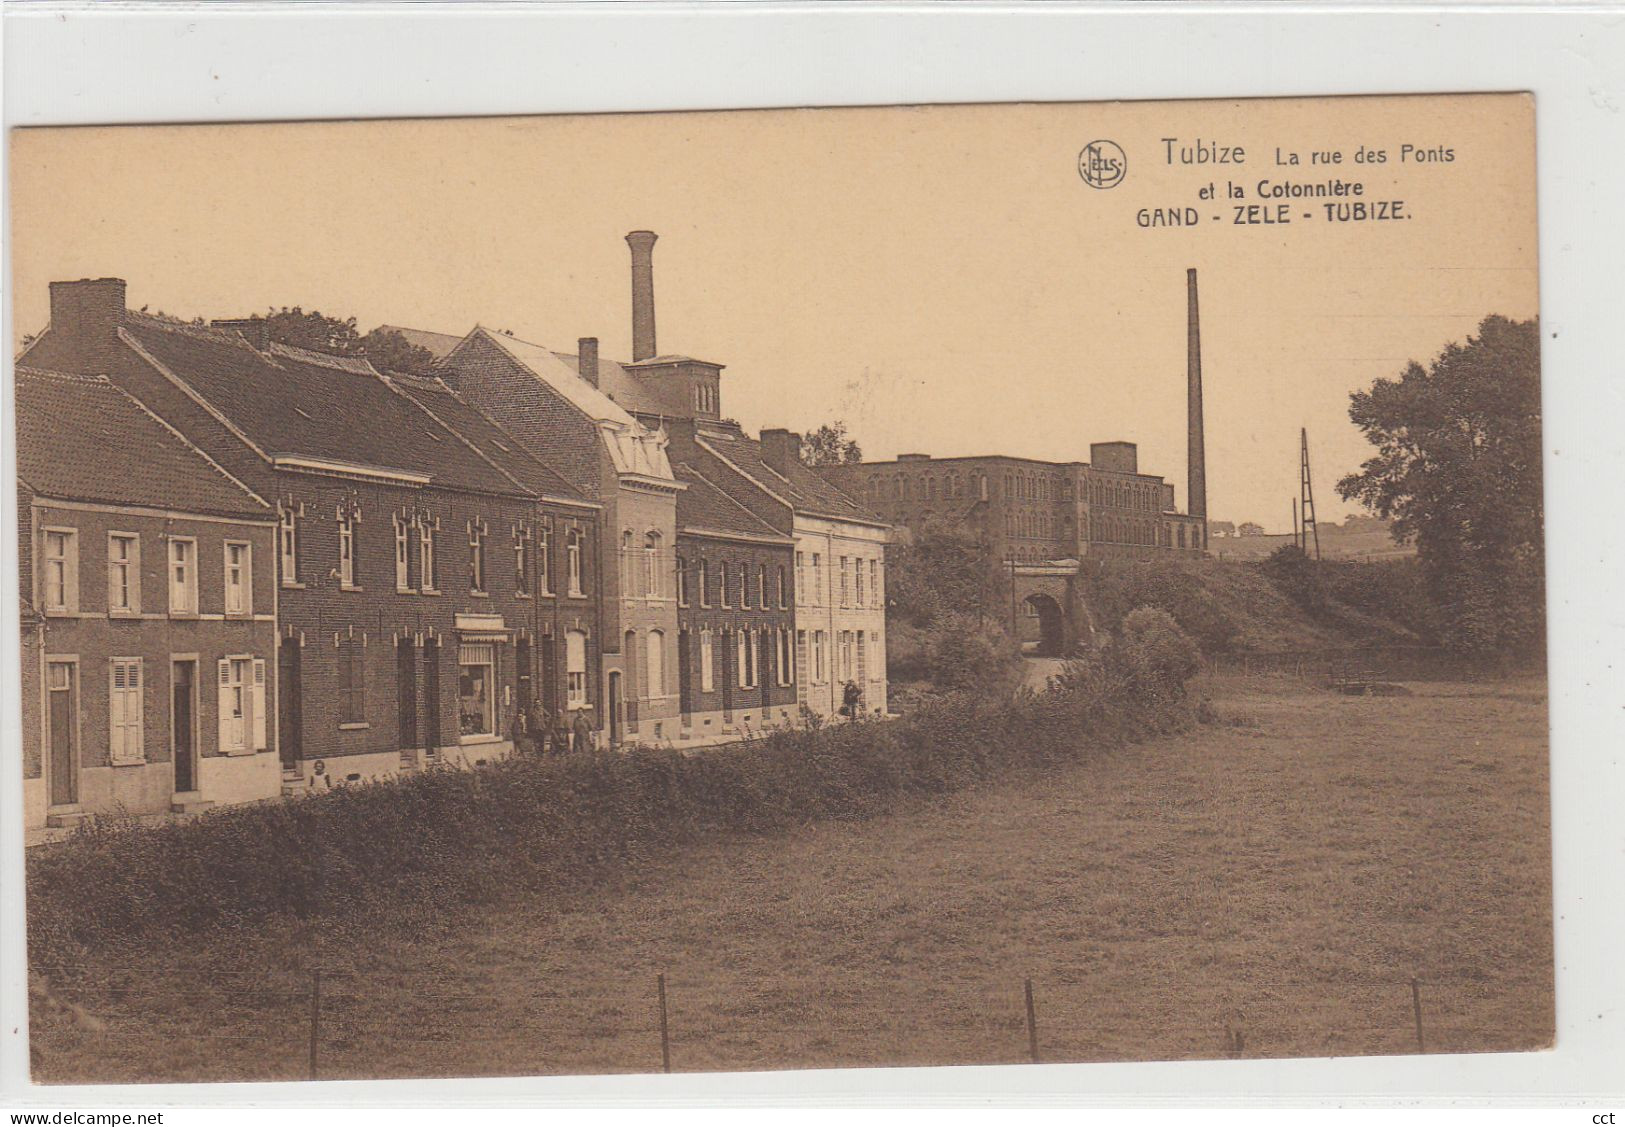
column 88, row 311
column 780, row 450
column 1196, row 452
column 587, row 359
column 255, row 330
column 643, row 294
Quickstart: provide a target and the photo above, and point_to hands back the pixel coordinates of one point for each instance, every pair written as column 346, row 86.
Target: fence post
column 1032, row 1024
column 1416, row 1008
column 315, row 1016
column 665, row 1035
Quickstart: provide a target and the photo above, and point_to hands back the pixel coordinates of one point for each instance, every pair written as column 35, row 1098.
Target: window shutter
column 133, row 690
column 223, row 705
column 115, row 714
column 259, row 704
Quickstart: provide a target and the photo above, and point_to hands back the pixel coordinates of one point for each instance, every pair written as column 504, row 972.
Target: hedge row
column 448, row 839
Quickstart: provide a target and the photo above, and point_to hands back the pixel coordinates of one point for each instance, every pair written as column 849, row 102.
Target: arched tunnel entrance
column 1043, row 628
column 1047, row 613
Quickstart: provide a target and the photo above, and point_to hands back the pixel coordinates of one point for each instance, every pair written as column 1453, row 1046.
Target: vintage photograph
column 782, row 589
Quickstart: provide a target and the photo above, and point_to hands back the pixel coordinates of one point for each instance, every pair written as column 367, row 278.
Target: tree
column 1457, row 469
column 945, row 568
column 386, row 349
column 1249, row 528
column 829, row 446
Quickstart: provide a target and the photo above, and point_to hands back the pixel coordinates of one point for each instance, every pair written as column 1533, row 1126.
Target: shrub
column 1155, row 656
column 964, row 654
column 411, row 851
column 1169, row 585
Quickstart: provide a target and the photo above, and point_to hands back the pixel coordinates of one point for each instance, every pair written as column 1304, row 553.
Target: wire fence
column 327, row 1023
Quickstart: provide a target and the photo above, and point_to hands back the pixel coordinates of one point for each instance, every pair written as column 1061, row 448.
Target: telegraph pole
column 1308, row 492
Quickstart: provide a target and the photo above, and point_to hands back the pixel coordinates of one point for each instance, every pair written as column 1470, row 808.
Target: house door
column 183, row 724
column 614, row 710
column 524, row 682
column 406, row 692
column 63, row 710
column 289, row 696
column 431, row 696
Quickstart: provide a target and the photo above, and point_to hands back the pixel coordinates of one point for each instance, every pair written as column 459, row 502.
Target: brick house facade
column 564, row 419
column 411, row 627
column 736, row 617
column 150, row 595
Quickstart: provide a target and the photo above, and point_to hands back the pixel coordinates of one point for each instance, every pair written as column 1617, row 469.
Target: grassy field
column 1280, row 875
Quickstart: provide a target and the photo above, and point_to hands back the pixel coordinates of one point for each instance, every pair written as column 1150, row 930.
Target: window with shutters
column 575, row 669
column 573, row 562
column 403, row 578
column 239, row 578
column 817, row 592
column 123, row 573
column 60, row 575
column 786, row 662
column 707, row 661
column 820, row 653
column 801, row 662
column 846, row 597
column 857, row 583
column 124, row 712
column 242, row 704
column 352, row 681
column 182, row 576
column 801, row 578
column 875, row 594
column 288, row 545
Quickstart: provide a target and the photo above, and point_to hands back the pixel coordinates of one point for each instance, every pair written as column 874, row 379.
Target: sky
column 942, row 279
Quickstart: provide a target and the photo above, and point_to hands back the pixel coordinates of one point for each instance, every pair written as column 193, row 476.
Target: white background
column 178, row 63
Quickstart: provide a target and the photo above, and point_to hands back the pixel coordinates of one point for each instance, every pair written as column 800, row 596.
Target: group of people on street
column 536, row 731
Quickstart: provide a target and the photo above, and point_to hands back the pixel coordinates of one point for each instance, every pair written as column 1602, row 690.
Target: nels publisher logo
column 1102, row 164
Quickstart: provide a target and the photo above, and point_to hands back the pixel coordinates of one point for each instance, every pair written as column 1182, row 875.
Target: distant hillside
column 1232, row 605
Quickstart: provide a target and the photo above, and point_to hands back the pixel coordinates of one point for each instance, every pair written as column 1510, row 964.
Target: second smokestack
column 643, row 294
column 1196, row 453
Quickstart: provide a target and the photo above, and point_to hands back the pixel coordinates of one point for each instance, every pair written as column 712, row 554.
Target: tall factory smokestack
column 643, row 294
column 1196, row 452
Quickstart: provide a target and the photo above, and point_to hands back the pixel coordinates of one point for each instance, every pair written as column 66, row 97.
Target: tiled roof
column 805, row 489
column 470, row 422
column 632, row 446
column 703, row 507
column 305, row 404
column 81, row 438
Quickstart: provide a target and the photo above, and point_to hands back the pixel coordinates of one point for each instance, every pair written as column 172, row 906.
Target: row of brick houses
column 420, row 558
column 251, row 569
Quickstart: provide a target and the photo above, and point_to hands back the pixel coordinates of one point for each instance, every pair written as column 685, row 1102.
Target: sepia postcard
column 785, row 589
